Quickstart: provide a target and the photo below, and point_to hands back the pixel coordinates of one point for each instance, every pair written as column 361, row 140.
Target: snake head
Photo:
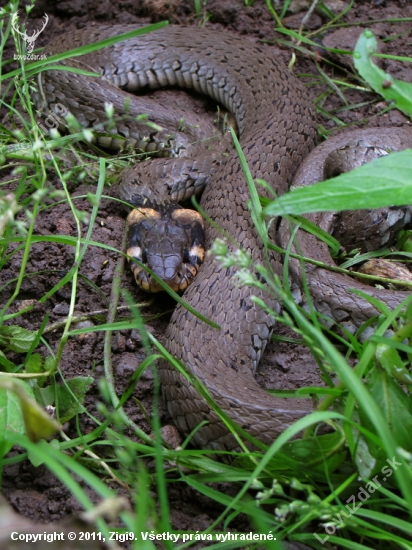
column 170, row 242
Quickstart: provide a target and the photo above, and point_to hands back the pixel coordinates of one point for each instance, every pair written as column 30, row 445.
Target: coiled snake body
column 277, row 129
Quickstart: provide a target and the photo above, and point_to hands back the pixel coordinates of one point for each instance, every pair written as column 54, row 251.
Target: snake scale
column 277, row 129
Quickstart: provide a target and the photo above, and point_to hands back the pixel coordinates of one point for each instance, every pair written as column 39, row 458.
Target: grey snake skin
column 277, row 129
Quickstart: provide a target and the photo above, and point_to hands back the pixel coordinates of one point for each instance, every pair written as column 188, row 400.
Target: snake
column 277, row 130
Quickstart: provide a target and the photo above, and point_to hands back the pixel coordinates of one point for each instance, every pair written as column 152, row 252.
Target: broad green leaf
column 387, row 86
column 391, row 361
column 44, row 396
column 365, row 461
column 38, row 459
column 11, row 416
column 38, row 424
column 386, row 181
column 34, row 364
column 20, row 413
column 70, row 397
column 7, row 365
column 16, row 338
column 395, row 405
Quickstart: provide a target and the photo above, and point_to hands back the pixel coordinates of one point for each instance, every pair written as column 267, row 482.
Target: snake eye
column 144, row 256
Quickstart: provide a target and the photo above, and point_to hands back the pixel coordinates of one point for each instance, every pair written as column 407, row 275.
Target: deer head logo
column 30, row 40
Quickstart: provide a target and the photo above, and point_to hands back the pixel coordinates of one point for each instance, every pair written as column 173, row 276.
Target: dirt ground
column 34, row 492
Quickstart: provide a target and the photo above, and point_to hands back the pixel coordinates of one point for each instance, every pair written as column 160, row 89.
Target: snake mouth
column 177, row 277
column 165, row 244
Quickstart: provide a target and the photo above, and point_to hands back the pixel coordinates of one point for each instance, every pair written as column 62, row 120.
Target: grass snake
column 277, row 129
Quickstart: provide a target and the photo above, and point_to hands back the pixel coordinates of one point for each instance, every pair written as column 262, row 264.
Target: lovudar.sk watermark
column 29, row 39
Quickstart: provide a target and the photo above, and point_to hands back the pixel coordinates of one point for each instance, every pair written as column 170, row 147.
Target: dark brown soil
column 34, row 492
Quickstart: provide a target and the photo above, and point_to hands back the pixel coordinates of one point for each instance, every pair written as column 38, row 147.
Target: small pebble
column 61, row 309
